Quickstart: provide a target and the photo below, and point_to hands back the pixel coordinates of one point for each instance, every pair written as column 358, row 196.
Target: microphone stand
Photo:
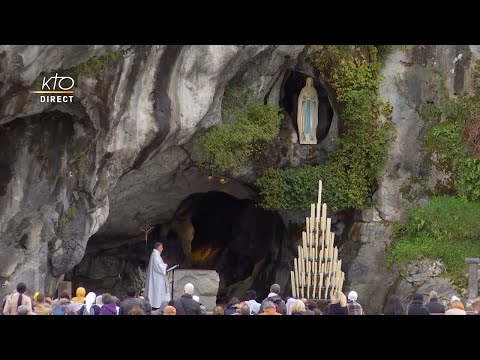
column 172, row 269
column 173, row 277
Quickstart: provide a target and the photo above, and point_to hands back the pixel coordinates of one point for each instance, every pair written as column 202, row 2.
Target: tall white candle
column 292, row 277
column 319, row 197
column 295, row 263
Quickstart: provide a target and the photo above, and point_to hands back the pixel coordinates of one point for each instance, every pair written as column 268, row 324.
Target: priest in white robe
column 156, row 284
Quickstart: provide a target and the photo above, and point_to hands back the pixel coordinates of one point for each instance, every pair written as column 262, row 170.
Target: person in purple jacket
column 109, row 307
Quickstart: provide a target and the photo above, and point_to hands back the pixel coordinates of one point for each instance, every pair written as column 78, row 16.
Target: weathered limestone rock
column 110, row 157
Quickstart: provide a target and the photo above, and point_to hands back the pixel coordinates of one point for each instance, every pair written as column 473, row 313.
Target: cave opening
column 216, row 231
column 249, row 248
column 294, row 81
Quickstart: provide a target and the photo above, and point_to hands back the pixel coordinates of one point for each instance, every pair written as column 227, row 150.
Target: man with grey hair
column 274, row 297
column 23, row 310
column 187, row 305
column 433, row 305
column 269, row 308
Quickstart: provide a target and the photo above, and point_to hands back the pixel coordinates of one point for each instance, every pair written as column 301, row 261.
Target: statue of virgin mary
column 307, row 114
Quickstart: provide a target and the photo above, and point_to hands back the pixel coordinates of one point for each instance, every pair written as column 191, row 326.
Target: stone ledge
column 472, row 260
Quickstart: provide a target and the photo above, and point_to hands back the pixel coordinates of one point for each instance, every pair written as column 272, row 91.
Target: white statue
column 307, row 114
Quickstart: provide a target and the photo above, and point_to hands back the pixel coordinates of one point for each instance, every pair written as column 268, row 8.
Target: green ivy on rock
column 234, row 144
column 454, row 142
column 354, row 74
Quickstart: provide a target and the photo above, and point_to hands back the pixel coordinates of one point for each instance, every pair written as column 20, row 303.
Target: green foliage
column 90, row 68
column 430, row 112
column 476, row 78
column 349, row 68
column 95, row 65
column 445, row 141
column 454, row 142
column 68, row 216
column 359, row 154
column 233, row 145
column 446, row 229
column 468, row 179
column 234, row 102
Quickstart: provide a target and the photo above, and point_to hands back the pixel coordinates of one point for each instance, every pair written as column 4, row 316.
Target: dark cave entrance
column 250, row 248
column 243, row 243
column 293, row 83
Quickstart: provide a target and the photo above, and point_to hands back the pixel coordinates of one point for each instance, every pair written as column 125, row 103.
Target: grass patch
column 446, row 229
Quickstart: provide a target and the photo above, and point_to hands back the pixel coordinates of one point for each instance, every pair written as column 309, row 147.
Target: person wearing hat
column 454, row 298
column 417, row 307
column 353, row 307
column 80, row 298
column 456, row 307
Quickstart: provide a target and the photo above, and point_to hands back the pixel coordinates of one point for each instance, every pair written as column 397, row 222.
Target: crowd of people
column 19, row 303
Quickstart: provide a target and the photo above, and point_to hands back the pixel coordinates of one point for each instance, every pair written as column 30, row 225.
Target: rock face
column 368, row 274
column 422, row 277
column 205, row 283
column 115, row 157
column 122, row 154
column 413, row 76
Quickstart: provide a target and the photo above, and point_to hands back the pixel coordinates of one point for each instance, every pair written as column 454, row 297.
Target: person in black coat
column 434, row 306
column 338, row 305
column 417, row 307
column 274, row 296
column 186, row 305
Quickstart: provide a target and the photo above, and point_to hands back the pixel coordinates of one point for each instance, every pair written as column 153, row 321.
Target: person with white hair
column 298, row 308
column 187, row 305
column 353, row 307
column 23, row 310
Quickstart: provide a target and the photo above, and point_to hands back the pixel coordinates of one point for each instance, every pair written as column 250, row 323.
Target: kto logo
column 56, row 85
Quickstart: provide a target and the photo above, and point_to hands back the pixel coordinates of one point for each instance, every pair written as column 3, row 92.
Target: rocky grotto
column 168, row 136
